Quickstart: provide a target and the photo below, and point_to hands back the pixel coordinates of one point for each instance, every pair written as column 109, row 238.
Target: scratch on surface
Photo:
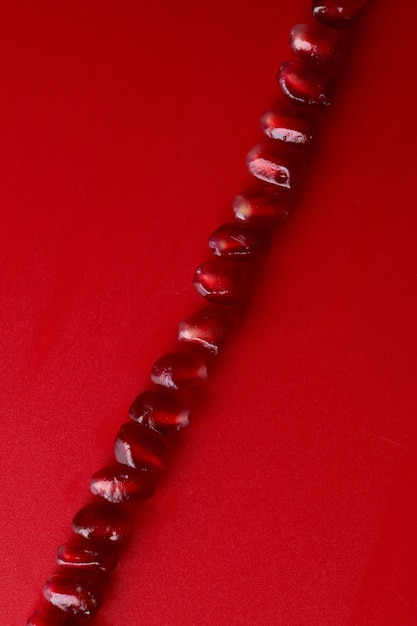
column 384, row 406
column 392, row 441
column 167, row 292
column 128, row 298
column 394, row 591
column 81, row 191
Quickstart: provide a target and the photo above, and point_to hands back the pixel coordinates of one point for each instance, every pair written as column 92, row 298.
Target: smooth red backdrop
column 123, row 130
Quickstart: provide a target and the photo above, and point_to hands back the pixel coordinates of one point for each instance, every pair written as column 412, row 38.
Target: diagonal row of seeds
column 142, row 444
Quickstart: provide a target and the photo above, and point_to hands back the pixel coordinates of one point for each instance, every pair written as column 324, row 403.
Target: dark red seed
column 338, row 13
column 268, row 163
column 176, row 370
column 118, row 483
column 140, row 447
column 85, row 555
column 160, row 412
column 47, row 615
column 208, row 328
column 318, row 45
column 289, row 127
column 304, row 85
column 240, row 241
column 73, row 593
column 101, row 522
column 258, row 206
column 221, row 282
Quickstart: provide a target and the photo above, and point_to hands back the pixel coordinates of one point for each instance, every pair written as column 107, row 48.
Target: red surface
column 124, row 129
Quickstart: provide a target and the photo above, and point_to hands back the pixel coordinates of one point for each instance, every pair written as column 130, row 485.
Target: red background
column 124, row 128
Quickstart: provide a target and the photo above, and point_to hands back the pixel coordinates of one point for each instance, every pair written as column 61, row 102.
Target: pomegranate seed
column 119, row 483
column 209, row 328
column 160, row 412
column 338, row 13
column 176, row 371
column 304, row 85
column 260, row 206
column 318, row 45
column 240, row 241
column 101, row 522
column 85, row 555
column 221, row 282
column 140, row 447
column 72, row 593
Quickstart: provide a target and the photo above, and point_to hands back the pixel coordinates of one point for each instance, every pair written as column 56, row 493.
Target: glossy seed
column 176, row 370
column 101, row 522
column 140, row 447
column 75, row 594
column 318, row 45
column 240, row 241
column 255, row 206
column 268, row 163
column 83, row 554
column 159, row 411
column 47, row 615
column 338, row 13
column 289, row 127
column 221, row 282
column 118, row 483
column 304, row 85
column 208, row 328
